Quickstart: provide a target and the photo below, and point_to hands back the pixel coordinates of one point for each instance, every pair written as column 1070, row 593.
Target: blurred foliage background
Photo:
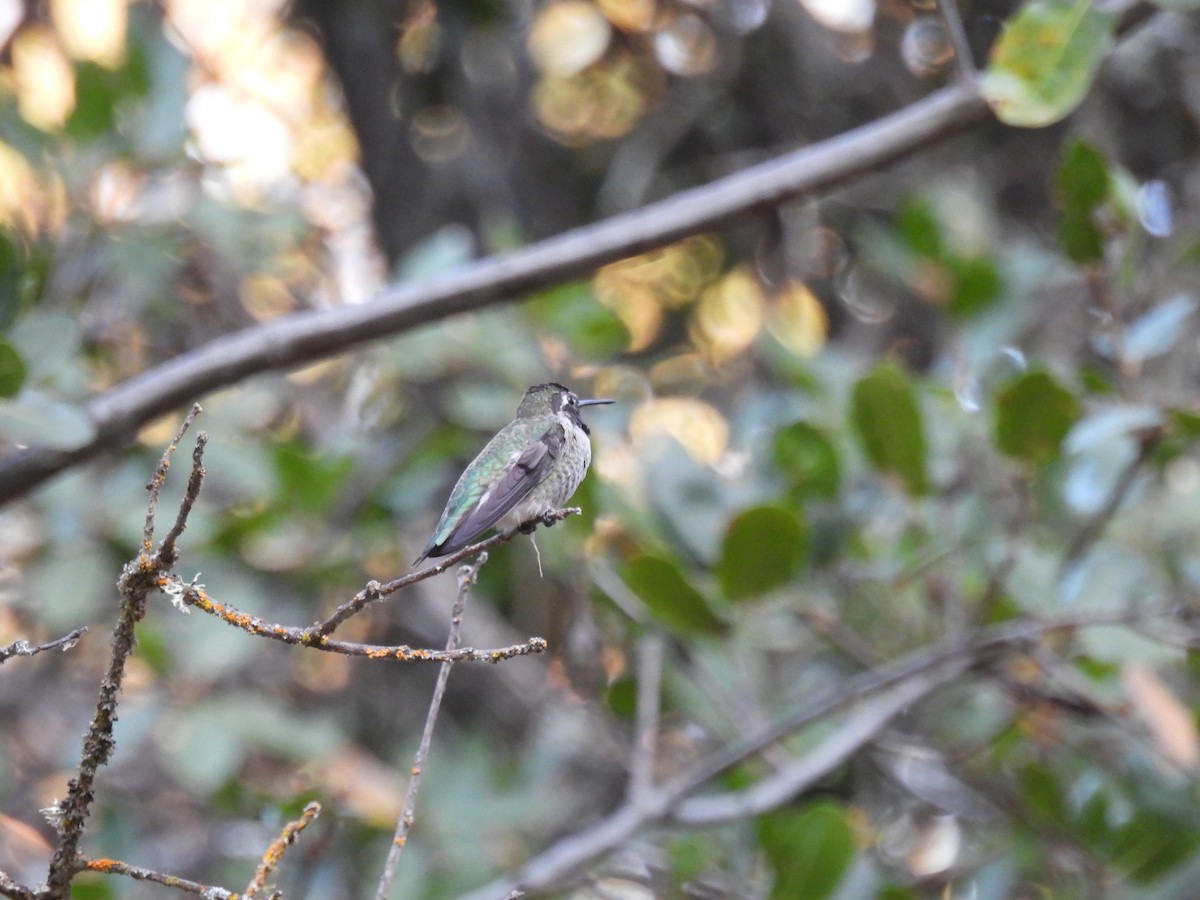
column 959, row 390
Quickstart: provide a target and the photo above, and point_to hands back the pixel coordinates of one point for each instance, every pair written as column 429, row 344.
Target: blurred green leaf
column 1150, row 845
column 1082, row 178
column 1083, row 182
column 11, row 264
column 689, row 854
column 977, row 285
column 309, row 481
column 100, row 91
column 1185, row 423
column 764, row 547
column 1033, row 415
column 808, row 458
column 809, row 850
column 571, row 311
column 92, row 886
column 1092, row 820
column 1041, row 791
column 888, row 422
column 1043, row 64
column 38, row 419
column 12, row 370
column 919, row 228
column 621, row 697
column 1081, row 239
column 1097, row 669
column 669, row 596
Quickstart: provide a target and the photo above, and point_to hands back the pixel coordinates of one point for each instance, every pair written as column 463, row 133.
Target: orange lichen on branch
column 194, row 595
column 274, row 853
column 116, row 867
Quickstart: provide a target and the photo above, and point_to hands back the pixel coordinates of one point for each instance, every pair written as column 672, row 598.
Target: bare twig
column 168, row 552
column 466, row 578
column 24, row 648
column 279, row 846
column 885, row 690
column 301, row 338
column 155, row 485
column 116, row 867
column 139, row 578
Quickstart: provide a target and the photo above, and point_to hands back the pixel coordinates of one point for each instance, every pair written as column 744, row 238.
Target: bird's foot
column 530, row 527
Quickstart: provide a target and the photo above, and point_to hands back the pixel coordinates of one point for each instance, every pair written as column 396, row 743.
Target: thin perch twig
column 375, row 591
column 116, row 867
column 196, row 597
column 466, row 578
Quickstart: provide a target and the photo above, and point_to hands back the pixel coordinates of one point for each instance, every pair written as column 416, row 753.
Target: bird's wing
column 513, row 485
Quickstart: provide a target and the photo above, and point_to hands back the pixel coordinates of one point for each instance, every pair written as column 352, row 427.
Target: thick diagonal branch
column 308, row 336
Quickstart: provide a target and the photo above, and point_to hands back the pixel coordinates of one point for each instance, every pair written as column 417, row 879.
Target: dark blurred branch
column 24, row 648
column 466, row 579
column 302, row 338
column 274, row 855
column 881, row 693
column 139, row 578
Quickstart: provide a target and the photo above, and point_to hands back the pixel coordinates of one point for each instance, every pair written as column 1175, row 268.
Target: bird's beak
column 596, row 402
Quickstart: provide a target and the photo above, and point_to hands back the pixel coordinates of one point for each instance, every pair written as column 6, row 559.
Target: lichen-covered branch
column 274, row 855
column 139, row 578
column 196, row 597
column 375, row 591
column 138, row 873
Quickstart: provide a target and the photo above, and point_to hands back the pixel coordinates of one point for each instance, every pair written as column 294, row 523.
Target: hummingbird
column 531, row 467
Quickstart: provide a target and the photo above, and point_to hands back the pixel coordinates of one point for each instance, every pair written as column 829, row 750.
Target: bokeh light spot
column 45, row 81
column 92, row 29
column 798, row 320
column 439, row 133
column 567, row 37
column 686, row 46
column 729, row 316
column 698, row 426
